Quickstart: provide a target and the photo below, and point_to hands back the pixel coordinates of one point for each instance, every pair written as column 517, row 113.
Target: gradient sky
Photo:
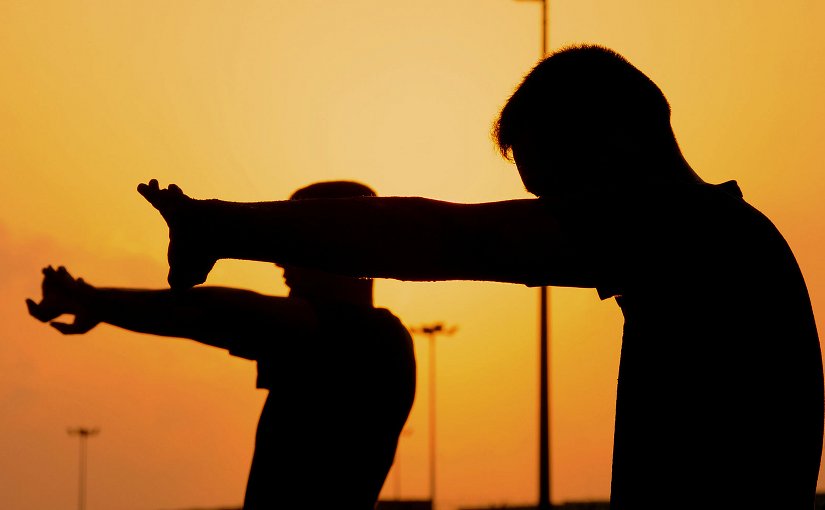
column 251, row 100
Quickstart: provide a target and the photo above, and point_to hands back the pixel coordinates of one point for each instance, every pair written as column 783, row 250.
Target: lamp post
column 544, row 345
column 84, row 434
column 431, row 332
column 545, row 8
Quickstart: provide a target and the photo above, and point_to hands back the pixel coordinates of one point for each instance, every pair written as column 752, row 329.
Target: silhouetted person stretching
column 340, row 373
column 720, row 392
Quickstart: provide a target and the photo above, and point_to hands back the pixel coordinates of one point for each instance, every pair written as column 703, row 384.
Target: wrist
column 87, row 298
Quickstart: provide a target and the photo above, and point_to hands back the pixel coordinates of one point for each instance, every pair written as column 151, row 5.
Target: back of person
column 720, row 397
column 338, row 401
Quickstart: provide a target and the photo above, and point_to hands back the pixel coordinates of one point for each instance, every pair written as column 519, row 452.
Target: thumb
column 66, row 329
column 78, row 327
column 40, row 312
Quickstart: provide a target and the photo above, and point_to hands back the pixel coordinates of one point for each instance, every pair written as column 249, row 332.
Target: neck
column 666, row 168
column 676, row 162
column 688, row 172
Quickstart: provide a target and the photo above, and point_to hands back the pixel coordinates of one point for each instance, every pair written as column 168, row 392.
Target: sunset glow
column 251, row 100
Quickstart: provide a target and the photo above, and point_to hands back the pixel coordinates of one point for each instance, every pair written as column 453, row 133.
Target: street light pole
column 545, row 9
column 431, row 331
column 84, row 434
column 544, row 404
column 544, row 345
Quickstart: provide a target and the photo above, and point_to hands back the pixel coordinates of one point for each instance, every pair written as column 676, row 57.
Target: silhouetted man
column 720, row 392
column 340, row 373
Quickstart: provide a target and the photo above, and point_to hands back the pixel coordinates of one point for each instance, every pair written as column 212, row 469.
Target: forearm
column 401, row 238
column 214, row 316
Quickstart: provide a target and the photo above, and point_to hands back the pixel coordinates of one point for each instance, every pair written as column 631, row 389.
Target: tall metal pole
column 431, row 332
column 544, row 350
column 544, row 404
column 545, row 7
column 544, row 345
column 84, row 434
column 431, row 413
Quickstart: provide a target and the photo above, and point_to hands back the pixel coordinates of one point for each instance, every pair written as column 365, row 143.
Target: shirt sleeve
column 618, row 242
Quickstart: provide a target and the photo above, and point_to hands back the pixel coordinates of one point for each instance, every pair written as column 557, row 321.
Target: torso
column 720, row 391
column 334, row 413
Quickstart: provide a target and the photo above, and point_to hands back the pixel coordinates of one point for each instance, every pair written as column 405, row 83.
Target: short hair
column 585, row 88
column 333, row 189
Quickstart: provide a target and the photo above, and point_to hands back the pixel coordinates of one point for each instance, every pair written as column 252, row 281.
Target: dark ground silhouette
column 720, row 391
column 340, row 372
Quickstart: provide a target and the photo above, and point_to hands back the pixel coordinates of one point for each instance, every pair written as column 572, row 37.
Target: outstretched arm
column 405, row 238
column 217, row 316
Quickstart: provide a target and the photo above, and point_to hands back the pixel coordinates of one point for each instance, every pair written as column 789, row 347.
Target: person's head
column 333, row 189
column 313, row 284
column 585, row 118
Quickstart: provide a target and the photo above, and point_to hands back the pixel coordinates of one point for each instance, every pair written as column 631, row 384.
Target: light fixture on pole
column 544, row 344
column 431, row 331
column 84, row 434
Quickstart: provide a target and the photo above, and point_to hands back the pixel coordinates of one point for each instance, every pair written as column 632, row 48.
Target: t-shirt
column 337, row 403
column 720, row 390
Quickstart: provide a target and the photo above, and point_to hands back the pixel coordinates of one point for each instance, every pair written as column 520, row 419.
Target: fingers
column 153, row 185
column 41, row 312
column 152, row 192
column 59, row 293
column 78, row 327
column 66, row 329
column 56, row 278
column 51, row 271
column 149, row 187
column 36, row 311
column 63, row 276
column 44, row 312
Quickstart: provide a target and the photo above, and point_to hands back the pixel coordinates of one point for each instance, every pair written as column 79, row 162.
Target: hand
column 189, row 259
column 63, row 294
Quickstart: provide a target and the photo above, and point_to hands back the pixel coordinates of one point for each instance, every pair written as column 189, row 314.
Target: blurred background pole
column 544, row 405
column 544, row 344
column 431, row 331
column 84, row 434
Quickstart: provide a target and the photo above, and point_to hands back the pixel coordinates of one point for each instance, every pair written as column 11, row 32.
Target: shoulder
column 389, row 321
column 344, row 317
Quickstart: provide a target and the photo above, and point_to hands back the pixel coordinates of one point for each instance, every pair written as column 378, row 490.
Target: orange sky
column 250, row 100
